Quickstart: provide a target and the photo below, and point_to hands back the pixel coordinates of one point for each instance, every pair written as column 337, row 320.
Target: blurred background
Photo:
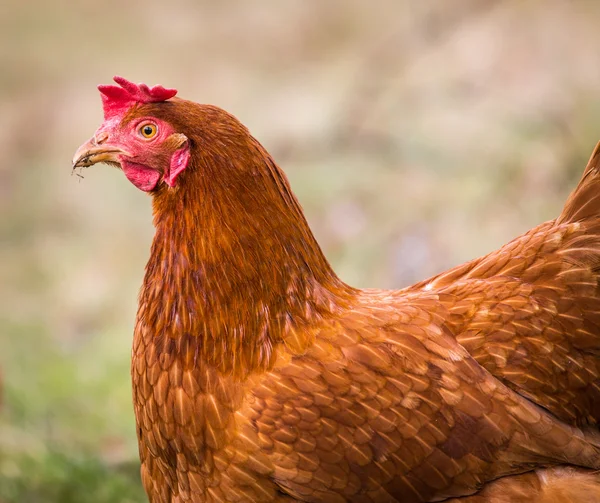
column 417, row 135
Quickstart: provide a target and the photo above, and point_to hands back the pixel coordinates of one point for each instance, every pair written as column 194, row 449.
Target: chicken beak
column 91, row 153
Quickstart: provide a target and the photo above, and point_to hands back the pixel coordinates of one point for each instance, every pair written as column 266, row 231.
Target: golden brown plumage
column 258, row 375
column 550, row 485
column 530, row 312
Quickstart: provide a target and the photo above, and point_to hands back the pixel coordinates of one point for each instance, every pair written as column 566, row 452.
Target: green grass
column 56, row 477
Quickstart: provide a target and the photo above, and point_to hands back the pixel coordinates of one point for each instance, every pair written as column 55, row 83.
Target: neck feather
column 234, row 266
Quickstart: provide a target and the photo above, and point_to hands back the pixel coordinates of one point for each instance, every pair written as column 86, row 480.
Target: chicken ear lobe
column 179, row 159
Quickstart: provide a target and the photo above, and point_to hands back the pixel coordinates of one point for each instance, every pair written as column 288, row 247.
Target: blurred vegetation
column 417, row 135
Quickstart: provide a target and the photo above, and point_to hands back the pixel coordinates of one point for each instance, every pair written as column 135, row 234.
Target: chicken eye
column 148, row 130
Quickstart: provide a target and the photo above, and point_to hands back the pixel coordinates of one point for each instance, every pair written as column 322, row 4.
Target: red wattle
column 141, row 176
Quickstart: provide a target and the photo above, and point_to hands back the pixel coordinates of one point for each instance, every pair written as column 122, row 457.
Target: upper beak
column 91, row 153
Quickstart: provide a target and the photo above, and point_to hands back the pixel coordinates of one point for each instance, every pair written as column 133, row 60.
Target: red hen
column 258, row 375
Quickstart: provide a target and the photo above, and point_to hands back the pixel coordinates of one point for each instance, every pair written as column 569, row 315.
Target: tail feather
column 584, row 201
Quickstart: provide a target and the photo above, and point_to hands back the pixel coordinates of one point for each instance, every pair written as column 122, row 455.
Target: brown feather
column 258, row 375
column 554, row 485
column 530, row 312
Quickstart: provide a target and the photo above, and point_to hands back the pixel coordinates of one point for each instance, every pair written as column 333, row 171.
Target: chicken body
column 377, row 404
column 259, row 376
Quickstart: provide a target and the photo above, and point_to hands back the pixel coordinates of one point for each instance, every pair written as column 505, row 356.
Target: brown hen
column 258, row 375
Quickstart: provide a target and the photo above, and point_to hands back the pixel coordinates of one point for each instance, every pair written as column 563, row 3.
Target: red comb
column 117, row 99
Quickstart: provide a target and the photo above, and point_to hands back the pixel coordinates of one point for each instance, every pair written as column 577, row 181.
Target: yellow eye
column 148, row 130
